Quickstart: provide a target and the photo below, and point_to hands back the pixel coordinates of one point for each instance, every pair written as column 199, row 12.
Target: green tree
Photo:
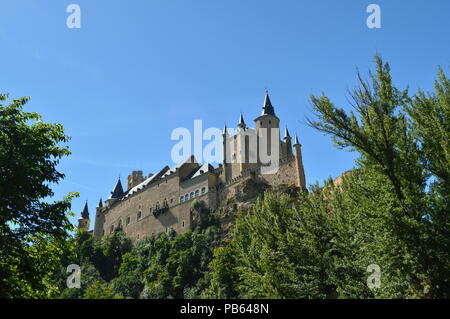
column 178, row 265
column 30, row 150
column 224, row 277
column 113, row 247
column 130, row 281
column 281, row 250
column 100, row 290
column 386, row 211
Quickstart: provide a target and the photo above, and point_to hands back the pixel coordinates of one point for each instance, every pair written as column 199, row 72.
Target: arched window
column 192, row 195
column 139, row 215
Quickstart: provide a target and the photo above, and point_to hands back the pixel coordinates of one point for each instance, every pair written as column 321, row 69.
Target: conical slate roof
column 242, row 122
column 286, row 133
column 100, row 203
column 267, row 107
column 296, row 140
column 85, row 212
column 117, row 192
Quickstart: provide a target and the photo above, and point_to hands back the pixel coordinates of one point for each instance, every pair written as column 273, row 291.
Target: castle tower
column 99, row 220
column 268, row 124
column 287, row 143
column 134, row 179
column 84, row 221
column 301, row 181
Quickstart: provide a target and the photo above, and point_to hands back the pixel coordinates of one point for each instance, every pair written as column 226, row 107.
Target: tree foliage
column 33, row 232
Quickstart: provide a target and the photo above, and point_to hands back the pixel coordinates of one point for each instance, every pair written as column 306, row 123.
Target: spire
column 241, row 122
column 286, row 133
column 225, row 131
column 85, row 212
column 117, row 192
column 267, row 107
column 100, row 203
column 296, row 140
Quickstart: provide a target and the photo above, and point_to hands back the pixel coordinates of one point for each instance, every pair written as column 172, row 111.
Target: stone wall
column 135, row 214
column 287, row 174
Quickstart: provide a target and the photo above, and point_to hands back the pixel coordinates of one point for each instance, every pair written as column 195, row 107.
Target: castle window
column 112, row 228
column 139, row 214
column 197, row 192
column 138, row 236
column 186, row 197
column 192, row 195
column 183, row 223
column 128, row 220
column 270, row 122
column 203, row 190
column 181, row 199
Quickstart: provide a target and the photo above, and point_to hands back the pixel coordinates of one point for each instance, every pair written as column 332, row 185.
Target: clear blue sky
column 138, row 69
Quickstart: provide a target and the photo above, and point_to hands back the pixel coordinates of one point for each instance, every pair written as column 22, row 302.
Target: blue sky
column 138, row 69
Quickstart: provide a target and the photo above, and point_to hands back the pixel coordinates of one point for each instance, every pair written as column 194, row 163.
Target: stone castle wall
column 135, row 214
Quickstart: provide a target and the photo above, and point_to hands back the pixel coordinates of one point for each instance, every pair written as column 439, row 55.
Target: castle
column 158, row 202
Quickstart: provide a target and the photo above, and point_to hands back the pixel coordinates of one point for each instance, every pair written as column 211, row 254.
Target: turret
column 287, row 143
column 241, row 124
column 301, row 181
column 84, row 221
column 99, row 220
column 116, row 194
